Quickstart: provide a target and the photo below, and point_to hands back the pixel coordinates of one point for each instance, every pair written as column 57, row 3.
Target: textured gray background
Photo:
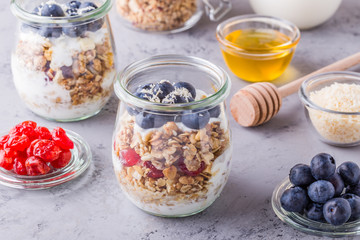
column 93, row 207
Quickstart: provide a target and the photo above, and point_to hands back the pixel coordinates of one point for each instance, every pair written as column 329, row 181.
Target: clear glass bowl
column 333, row 127
column 180, row 169
column 80, row 161
column 257, row 64
column 63, row 67
column 306, row 225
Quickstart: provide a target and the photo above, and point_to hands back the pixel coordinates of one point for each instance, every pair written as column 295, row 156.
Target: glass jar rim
column 256, row 17
column 304, row 95
column 26, row 16
column 120, row 86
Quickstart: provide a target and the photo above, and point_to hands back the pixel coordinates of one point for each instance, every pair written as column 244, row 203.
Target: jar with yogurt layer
column 168, row 16
column 63, row 63
column 172, row 145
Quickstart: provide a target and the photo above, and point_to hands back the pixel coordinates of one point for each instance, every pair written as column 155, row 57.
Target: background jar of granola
column 169, row 16
column 172, row 159
column 63, row 63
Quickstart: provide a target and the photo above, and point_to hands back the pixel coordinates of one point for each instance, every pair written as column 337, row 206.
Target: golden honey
column 257, row 54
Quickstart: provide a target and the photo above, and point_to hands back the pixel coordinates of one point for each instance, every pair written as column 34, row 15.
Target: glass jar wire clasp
column 215, row 13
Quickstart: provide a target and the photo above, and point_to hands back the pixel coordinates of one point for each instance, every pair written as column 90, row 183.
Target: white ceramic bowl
column 304, row 14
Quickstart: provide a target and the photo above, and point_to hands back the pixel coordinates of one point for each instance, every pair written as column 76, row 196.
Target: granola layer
column 167, row 148
column 155, row 15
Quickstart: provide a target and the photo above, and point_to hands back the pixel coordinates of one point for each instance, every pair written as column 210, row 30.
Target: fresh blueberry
column 94, row 25
column 321, row 191
column 36, row 10
column 314, row 211
column 337, row 211
column 338, row 184
column 300, row 175
column 161, row 119
column 174, row 98
column 163, row 88
column 322, row 166
column 188, row 86
column 145, row 120
column 73, row 4
column 52, row 10
column 355, row 189
column 145, row 88
column 196, row 120
column 147, row 96
column 354, row 202
column 294, row 199
column 215, row 112
column 74, row 30
column 349, row 172
column 48, row 31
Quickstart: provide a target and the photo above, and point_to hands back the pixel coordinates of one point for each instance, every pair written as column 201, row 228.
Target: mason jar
column 168, row 16
column 172, row 158
column 63, row 63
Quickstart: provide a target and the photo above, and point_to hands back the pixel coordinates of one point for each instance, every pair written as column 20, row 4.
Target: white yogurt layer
column 169, row 206
column 41, row 95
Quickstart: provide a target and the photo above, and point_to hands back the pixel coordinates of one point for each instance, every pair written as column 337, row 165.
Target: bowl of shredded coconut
column 332, row 103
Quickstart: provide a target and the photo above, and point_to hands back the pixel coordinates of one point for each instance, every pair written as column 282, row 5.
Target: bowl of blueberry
column 172, row 145
column 63, row 61
column 320, row 198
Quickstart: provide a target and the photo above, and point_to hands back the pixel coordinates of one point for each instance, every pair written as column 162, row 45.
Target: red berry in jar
column 47, row 150
column 129, row 157
column 19, row 166
column 63, row 160
column 30, row 149
column 43, row 133
column 6, row 161
column 154, row 172
column 61, row 139
column 184, row 169
column 35, row 166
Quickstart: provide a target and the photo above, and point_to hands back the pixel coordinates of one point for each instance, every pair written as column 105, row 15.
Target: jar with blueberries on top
column 63, row 63
column 172, row 144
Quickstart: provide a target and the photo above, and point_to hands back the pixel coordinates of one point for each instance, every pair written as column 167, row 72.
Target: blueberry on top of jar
column 186, row 85
column 52, row 10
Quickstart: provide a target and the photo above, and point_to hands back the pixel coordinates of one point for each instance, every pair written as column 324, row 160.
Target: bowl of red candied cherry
column 32, row 150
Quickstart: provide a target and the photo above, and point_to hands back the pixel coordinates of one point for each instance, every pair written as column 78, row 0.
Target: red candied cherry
column 18, row 143
column 63, row 160
column 35, row 166
column 129, row 157
column 30, row 149
column 19, row 166
column 43, row 133
column 25, row 128
column 61, row 139
column 3, row 140
column 154, row 172
column 184, row 169
column 47, row 150
column 6, row 161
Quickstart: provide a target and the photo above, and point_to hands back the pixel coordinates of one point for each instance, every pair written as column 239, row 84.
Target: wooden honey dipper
column 257, row 103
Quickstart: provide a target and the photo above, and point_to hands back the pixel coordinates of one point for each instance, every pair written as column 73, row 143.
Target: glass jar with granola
column 63, row 63
column 172, row 145
column 168, row 16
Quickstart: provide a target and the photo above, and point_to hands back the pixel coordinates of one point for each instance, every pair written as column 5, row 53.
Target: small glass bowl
column 80, row 161
column 336, row 128
column 257, row 64
column 306, row 225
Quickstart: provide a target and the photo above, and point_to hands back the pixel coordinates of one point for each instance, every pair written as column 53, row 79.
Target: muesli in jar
column 172, row 163
column 63, row 64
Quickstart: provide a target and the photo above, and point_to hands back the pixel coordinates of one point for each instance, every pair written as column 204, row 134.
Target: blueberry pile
column 167, row 93
column 72, row 8
column 323, row 193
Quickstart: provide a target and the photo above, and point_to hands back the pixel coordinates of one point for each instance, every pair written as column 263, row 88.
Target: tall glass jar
column 172, row 159
column 168, row 16
column 63, row 63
